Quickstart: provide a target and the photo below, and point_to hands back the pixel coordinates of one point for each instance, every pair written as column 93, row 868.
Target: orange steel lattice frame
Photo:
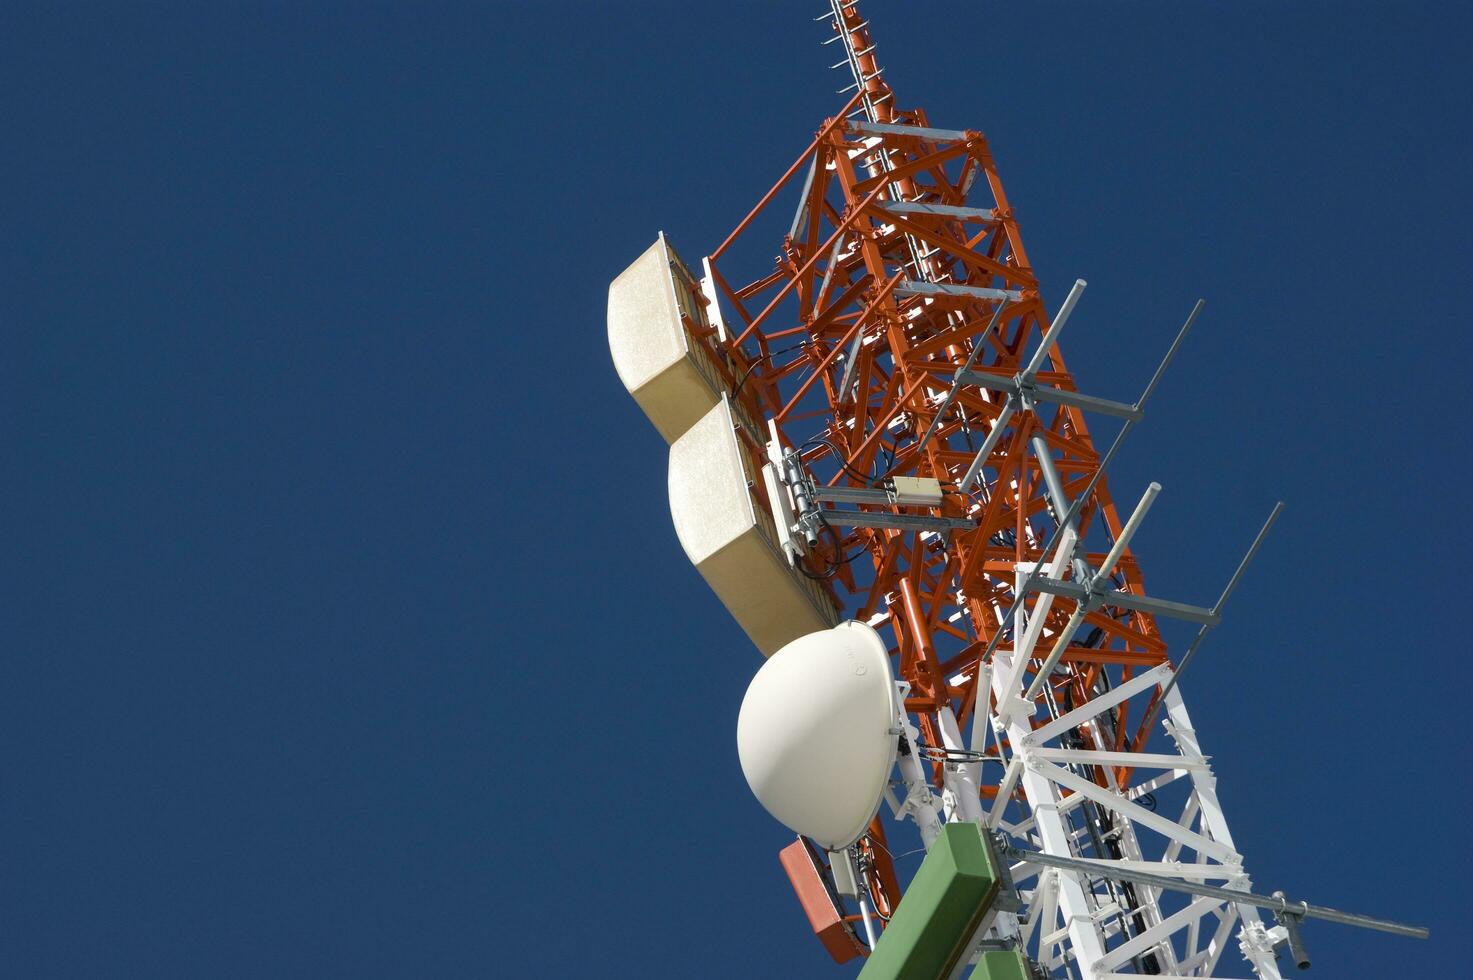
column 813, row 305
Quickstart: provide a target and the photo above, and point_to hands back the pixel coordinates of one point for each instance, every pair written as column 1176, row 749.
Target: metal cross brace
column 1091, row 587
column 1079, row 501
column 1092, row 598
column 956, row 380
column 1014, row 400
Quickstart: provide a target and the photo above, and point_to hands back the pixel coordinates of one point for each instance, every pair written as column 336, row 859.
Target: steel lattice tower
column 902, row 335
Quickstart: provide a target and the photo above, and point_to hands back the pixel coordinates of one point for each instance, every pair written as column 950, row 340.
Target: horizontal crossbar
column 913, row 288
column 895, row 129
column 947, row 210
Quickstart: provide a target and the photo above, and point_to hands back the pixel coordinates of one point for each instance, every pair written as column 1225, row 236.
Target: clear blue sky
column 346, row 634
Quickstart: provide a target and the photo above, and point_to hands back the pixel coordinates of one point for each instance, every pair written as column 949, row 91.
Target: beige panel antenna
column 667, row 371
column 729, row 536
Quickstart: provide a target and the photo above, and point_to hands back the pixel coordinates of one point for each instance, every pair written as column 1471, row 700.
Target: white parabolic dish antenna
column 816, row 733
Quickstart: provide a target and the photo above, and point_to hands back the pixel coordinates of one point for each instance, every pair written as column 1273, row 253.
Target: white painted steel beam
column 1136, row 813
column 1136, row 760
column 1099, row 703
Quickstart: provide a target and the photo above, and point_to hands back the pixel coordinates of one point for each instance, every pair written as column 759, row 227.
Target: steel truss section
column 902, row 332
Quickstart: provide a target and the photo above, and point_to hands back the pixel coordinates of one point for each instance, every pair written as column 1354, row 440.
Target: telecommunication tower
column 882, row 466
